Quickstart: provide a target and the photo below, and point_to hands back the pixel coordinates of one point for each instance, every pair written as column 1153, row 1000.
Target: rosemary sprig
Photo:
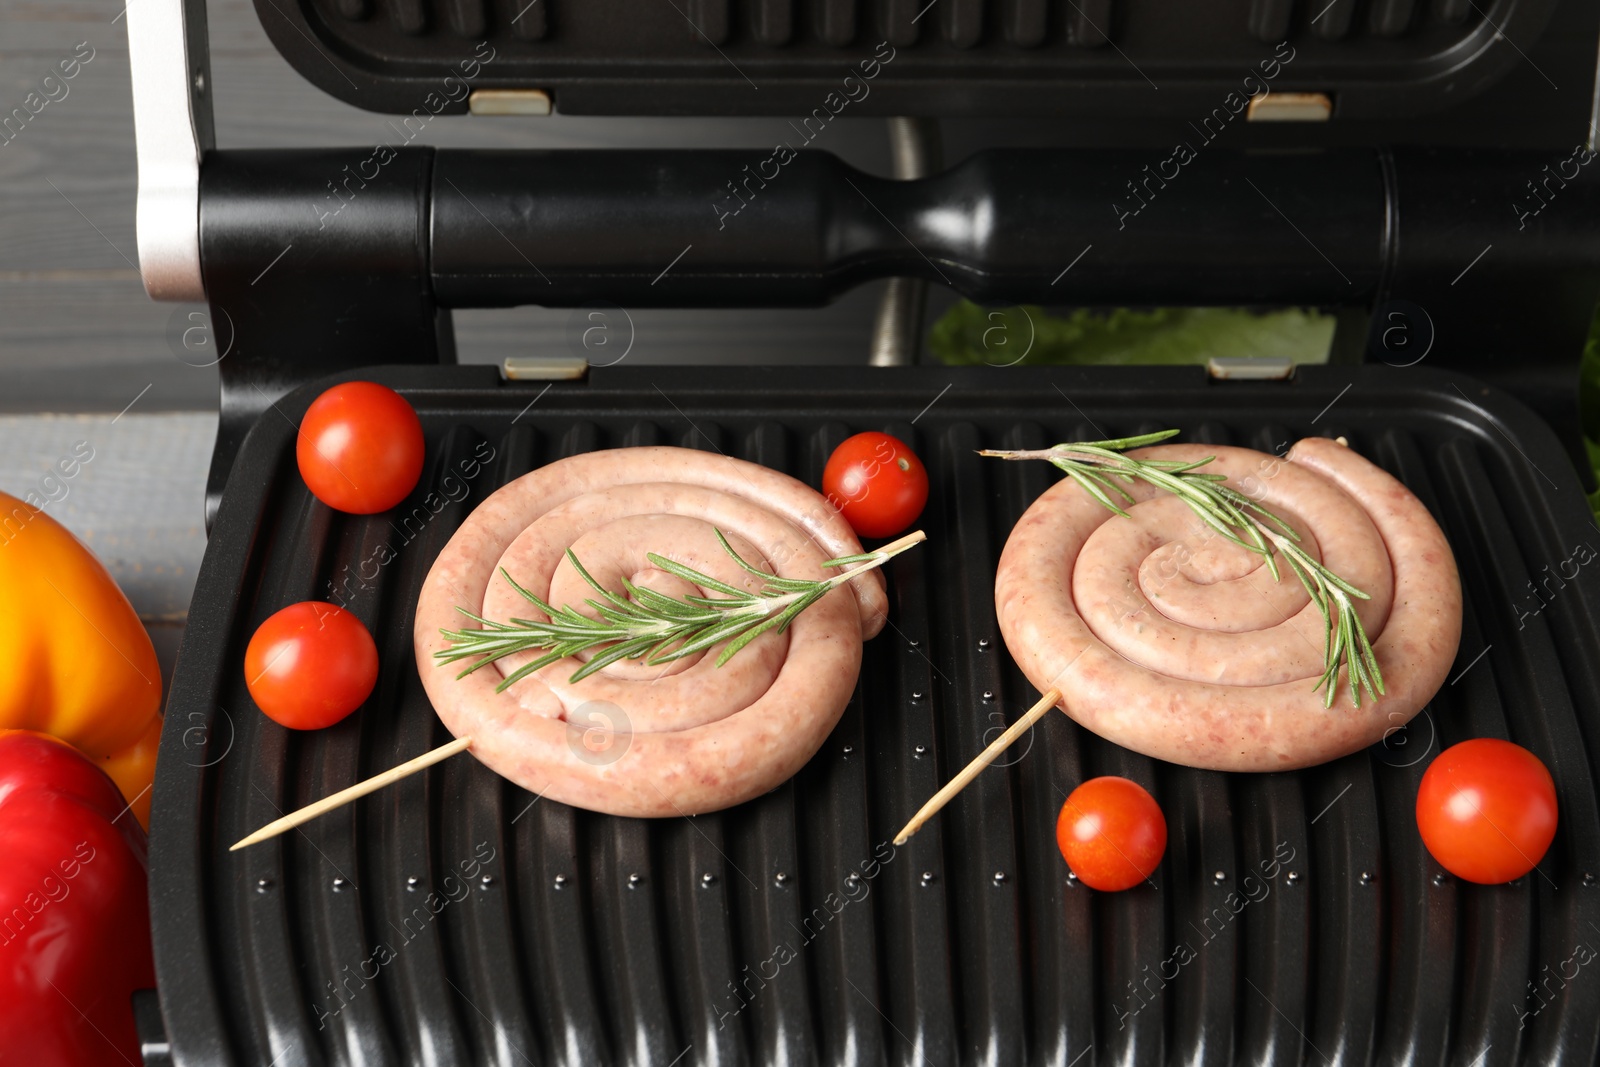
column 644, row 624
column 1097, row 467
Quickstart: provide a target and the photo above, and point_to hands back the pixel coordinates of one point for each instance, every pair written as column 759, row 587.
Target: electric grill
column 454, row 918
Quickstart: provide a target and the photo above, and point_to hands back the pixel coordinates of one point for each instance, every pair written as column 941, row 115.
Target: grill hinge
column 172, row 125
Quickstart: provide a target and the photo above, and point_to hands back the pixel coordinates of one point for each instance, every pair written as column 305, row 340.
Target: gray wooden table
column 137, row 499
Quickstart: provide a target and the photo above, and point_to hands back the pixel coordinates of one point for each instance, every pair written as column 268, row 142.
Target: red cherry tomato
column 310, row 665
column 1486, row 809
column 877, row 483
column 360, row 448
column 1112, row 833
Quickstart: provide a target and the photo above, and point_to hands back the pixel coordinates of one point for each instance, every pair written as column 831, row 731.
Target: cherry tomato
column 877, row 483
column 1486, row 809
column 360, row 448
column 310, row 665
column 1112, row 833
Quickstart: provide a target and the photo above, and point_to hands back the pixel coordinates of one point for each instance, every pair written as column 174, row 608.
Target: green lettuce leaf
column 969, row 334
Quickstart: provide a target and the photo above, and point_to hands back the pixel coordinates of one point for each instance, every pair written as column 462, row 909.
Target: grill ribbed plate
column 455, row 919
column 1095, row 62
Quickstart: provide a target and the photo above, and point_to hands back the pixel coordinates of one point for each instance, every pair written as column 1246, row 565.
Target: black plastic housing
column 366, row 263
column 970, row 945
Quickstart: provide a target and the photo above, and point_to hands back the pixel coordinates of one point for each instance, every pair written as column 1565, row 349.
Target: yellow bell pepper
column 75, row 661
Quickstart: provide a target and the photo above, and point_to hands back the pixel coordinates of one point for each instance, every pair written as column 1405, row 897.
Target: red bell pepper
column 74, row 910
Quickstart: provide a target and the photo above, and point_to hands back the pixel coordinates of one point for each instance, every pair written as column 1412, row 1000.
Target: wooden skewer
column 986, row 757
column 360, row 789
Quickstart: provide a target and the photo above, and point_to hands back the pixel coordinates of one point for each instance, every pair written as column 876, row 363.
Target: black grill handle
column 371, row 244
column 770, row 228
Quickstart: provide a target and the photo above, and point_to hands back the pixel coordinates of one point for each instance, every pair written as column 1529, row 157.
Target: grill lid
column 1380, row 62
column 456, row 919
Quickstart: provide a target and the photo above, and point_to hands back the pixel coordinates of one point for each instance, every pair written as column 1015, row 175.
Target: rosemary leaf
column 1094, row 464
column 646, row 625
